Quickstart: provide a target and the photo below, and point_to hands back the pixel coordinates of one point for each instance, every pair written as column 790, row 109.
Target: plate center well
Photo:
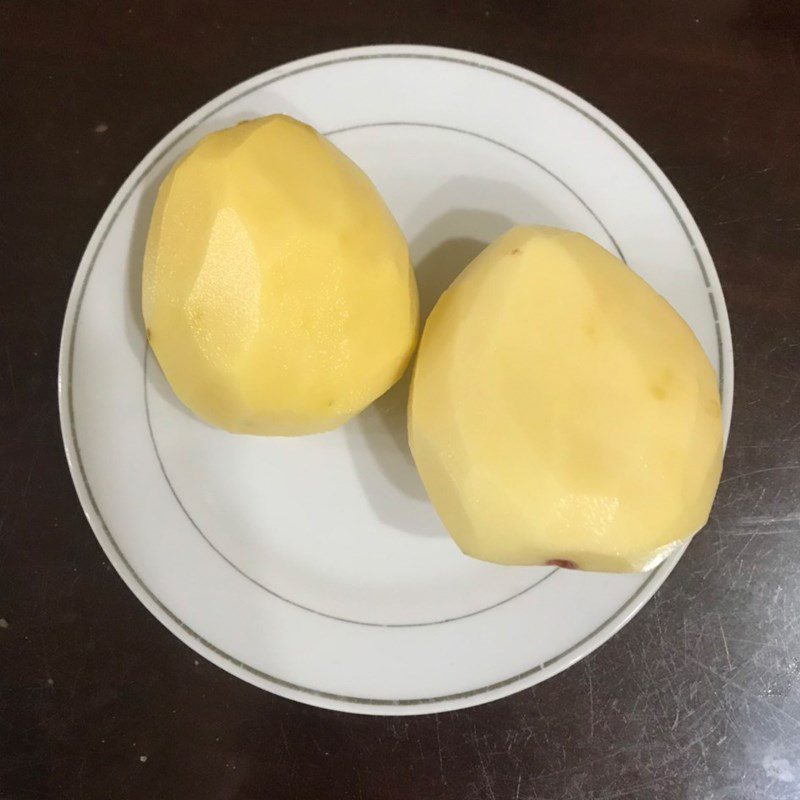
column 339, row 522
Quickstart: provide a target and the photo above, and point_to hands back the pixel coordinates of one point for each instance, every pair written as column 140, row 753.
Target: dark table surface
column 699, row 697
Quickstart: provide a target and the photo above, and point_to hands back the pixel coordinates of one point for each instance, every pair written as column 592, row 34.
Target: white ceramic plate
column 315, row 567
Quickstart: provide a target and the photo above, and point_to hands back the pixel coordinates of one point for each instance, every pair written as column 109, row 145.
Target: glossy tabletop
column 697, row 698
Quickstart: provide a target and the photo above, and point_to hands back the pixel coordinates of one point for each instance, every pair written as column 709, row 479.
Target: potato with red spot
column 561, row 411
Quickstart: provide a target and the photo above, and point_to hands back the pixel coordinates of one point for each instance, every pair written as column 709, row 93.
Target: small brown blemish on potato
column 516, row 251
column 591, row 327
column 660, row 387
column 712, row 407
column 149, row 335
column 658, row 390
column 564, row 563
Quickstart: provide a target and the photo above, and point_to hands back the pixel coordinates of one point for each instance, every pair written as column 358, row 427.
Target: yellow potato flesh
column 277, row 291
column 561, row 410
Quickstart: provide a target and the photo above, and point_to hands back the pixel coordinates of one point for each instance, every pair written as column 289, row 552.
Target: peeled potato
column 277, row 291
column 561, row 411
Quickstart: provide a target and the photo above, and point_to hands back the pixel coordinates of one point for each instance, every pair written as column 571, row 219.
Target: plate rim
column 171, row 621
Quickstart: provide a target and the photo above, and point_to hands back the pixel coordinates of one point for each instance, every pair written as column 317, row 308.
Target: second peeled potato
column 562, row 412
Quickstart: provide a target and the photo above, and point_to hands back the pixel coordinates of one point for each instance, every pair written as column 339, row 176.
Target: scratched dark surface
column 698, row 698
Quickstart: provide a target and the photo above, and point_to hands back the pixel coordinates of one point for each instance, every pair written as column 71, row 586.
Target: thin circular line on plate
column 71, row 361
column 241, row 571
column 272, row 592
column 481, row 137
